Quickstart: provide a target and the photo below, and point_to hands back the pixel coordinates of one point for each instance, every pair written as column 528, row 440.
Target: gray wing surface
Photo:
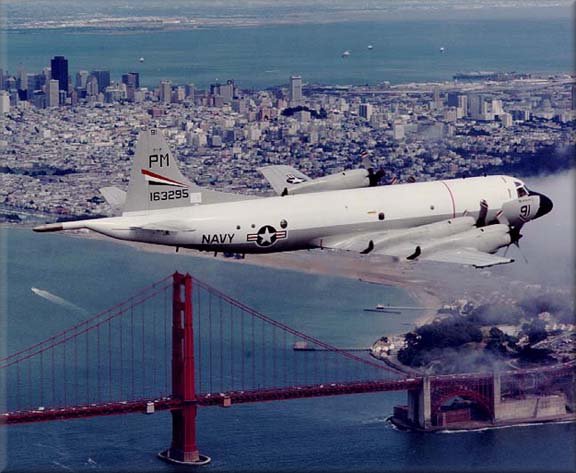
column 455, row 240
column 282, row 177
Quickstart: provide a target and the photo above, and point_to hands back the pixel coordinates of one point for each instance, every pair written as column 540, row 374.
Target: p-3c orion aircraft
column 460, row 221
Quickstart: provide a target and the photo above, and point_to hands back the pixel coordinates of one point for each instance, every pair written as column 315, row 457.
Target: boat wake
column 58, row 300
column 501, row 427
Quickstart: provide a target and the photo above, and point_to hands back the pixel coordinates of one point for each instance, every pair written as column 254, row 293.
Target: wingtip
column 49, row 227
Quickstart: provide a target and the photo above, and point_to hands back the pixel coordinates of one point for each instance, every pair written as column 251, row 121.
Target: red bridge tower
column 183, row 449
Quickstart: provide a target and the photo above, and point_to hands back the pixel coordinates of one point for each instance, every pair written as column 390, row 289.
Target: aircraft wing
column 456, row 240
column 283, row 177
column 468, row 256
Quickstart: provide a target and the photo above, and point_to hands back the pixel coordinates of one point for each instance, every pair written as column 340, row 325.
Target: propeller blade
column 481, row 220
column 501, row 218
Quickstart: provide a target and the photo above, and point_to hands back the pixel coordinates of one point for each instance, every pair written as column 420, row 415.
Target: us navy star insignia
column 266, row 236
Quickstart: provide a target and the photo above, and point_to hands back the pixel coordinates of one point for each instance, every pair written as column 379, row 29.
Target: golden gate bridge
column 180, row 344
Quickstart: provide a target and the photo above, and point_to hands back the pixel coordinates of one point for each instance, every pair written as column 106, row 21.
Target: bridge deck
column 209, row 399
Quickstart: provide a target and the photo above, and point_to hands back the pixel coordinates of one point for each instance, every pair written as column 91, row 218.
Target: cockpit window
column 520, row 189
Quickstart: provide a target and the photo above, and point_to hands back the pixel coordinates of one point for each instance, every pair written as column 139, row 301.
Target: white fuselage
column 302, row 221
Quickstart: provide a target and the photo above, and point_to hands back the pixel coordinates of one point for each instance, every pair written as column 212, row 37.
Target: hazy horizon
column 65, row 13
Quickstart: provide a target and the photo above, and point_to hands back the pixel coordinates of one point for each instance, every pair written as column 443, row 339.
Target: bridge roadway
column 210, row 399
column 226, row 399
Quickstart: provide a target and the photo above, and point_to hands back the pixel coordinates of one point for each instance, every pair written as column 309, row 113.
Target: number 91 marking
column 525, row 210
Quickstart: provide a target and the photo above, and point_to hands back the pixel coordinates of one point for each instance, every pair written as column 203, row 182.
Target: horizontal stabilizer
column 49, row 227
column 283, row 177
column 115, row 197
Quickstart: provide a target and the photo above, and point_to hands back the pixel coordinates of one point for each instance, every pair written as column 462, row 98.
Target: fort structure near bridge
column 181, row 344
column 472, row 401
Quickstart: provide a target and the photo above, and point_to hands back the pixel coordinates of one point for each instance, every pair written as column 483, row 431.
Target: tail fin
column 157, row 183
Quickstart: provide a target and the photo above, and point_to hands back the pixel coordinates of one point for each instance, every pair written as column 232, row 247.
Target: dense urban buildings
column 62, row 140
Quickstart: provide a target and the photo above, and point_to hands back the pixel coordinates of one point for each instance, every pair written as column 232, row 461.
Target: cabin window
column 381, row 216
column 253, row 225
column 283, row 223
column 237, row 227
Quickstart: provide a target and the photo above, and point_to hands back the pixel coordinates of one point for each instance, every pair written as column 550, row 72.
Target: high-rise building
column 4, row 102
column 59, row 71
column 103, row 77
column 295, row 93
column 477, row 107
column 452, row 99
column 227, row 91
column 38, row 99
column 497, row 108
column 190, row 91
column 437, row 101
column 53, row 93
column 21, row 82
column 10, row 83
column 35, row 82
column 365, row 110
column 92, row 87
column 81, row 79
column 131, row 79
column 463, row 103
column 132, row 82
column 165, row 91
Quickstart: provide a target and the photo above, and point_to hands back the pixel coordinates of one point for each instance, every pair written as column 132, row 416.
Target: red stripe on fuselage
column 451, row 198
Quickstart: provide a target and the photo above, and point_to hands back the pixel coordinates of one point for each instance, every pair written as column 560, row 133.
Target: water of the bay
column 259, row 57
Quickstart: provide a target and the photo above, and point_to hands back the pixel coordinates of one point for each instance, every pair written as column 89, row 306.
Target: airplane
column 460, row 221
column 285, row 180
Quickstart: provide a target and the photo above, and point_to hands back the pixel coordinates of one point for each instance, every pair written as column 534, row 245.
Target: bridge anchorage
column 181, row 344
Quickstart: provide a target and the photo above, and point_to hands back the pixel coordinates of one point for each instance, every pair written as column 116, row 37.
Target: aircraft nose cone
column 545, row 205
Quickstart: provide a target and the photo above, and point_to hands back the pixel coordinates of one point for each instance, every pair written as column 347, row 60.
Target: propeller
column 374, row 177
column 515, row 237
column 481, row 220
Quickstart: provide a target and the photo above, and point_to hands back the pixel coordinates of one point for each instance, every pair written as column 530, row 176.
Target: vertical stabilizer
column 156, row 182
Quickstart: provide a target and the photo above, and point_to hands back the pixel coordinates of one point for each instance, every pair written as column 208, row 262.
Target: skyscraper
column 103, row 77
column 53, row 93
column 81, row 79
column 4, row 102
column 131, row 79
column 365, row 111
column 295, row 93
column 59, row 67
column 92, row 87
column 132, row 82
column 165, row 91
